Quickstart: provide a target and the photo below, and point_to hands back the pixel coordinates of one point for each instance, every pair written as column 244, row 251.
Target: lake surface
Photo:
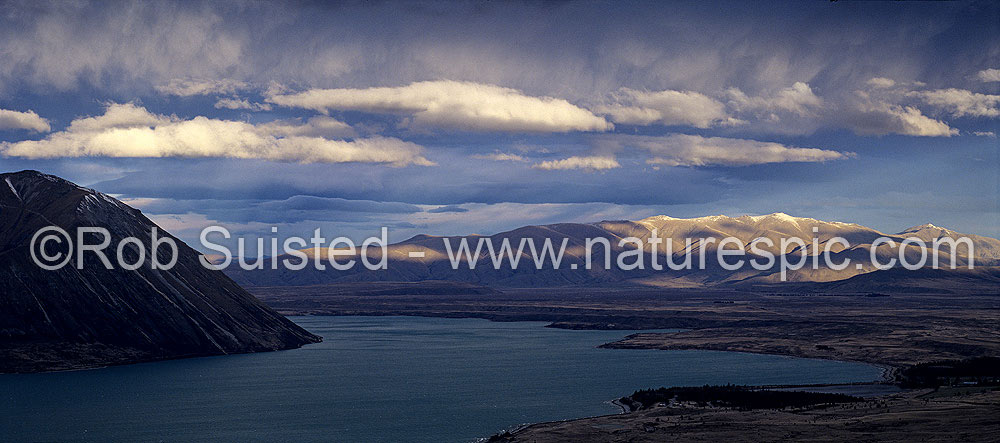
column 378, row 379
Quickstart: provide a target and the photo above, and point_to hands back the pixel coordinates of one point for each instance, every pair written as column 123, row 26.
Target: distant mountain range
column 72, row 318
column 431, row 259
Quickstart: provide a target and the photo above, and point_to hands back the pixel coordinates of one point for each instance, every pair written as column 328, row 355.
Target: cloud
column 884, row 107
column 312, row 203
column 127, row 130
column 989, row 75
column 207, row 48
column 593, row 163
column 961, row 103
column 447, row 209
column 23, row 120
column 231, row 179
column 694, row 150
column 236, row 103
column 190, row 87
column 457, row 105
column 127, row 50
column 798, row 99
column 292, row 209
column 989, row 134
column 501, row 156
column 881, row 82
column 881, row 118
column 320, row 126
column 118, row 116
column 684, row 108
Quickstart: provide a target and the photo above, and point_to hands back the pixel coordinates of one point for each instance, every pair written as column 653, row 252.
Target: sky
column 478, row 117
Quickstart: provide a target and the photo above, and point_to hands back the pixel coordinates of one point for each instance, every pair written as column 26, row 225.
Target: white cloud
column 126, row 130
column 881, row 118
column 118, row 115
column 881, row 82
column 879, row 110
column 989, row 134
column 989, row 75
column 23, row 120
column 501, row 156
column 593, row 163
column 694, row 150
column 237, row 103
column 188, row 87
column 798, row 99
column 884, row 106
column 458, row 105
column 960, row 103
column 686, row 108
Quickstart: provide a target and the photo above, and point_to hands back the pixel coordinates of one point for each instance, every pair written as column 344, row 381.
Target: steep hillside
column 71, row 318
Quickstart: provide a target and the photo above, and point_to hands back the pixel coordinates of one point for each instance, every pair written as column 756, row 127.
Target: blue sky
column 476, row 117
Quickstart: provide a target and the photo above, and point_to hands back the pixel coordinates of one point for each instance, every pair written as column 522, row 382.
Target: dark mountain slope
column 94, row 316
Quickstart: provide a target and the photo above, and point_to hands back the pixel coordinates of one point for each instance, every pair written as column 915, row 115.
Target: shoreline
column 625, row 410
column 885, row 377
column 914, row 415
column 112, row 364
column 890, row 332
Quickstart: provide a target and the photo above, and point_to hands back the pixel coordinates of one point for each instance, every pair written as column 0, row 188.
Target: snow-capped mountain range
column 425, row 257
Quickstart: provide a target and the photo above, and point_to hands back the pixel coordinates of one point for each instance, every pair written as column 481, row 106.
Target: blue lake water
column 378, row 379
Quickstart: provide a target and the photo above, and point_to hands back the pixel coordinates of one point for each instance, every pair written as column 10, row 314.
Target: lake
column 378, row 379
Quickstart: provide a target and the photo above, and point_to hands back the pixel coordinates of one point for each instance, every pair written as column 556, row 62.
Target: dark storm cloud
column 568, row 50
